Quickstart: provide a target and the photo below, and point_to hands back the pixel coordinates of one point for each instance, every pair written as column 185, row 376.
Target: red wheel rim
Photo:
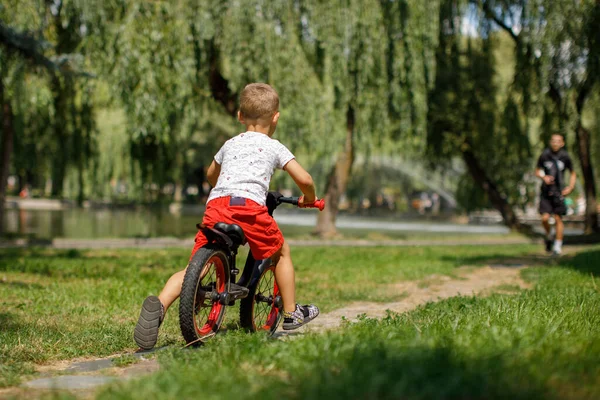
column 274, row 313
column 215, row 274
column 267, row 288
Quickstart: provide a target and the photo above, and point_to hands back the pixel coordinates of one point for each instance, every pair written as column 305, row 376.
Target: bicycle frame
column 252, row 268
column 223, row 243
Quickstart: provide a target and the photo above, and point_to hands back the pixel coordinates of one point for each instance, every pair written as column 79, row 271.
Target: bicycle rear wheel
column 262, row 309
column 200, row 309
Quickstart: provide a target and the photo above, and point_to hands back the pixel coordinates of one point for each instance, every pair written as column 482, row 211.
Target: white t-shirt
column 248, row 161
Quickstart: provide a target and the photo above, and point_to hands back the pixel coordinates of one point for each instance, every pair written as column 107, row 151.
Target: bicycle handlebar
column 320, row 203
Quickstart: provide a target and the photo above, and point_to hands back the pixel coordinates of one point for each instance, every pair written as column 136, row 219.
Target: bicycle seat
column 234, row 231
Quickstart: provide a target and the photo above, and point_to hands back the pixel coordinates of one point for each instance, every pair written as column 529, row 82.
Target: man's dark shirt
column 547, row 164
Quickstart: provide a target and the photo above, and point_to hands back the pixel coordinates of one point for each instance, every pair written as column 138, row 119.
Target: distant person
column 550, row 168
column 24, row 193
column 240, row 174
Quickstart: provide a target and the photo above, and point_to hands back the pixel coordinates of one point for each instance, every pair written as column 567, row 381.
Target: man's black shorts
column 552, row 205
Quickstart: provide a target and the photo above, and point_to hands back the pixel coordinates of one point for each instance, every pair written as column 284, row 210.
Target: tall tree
column 467, row 117
column 17, row 48
column 352, row 59
column 153, row 74
column 6, row 144
column 558, row 53
column 373, row 61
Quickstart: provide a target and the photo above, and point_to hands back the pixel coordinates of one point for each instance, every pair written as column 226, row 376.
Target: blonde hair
column 258, row 100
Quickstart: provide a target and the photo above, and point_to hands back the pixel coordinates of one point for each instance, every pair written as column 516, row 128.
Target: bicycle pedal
column 237, row 291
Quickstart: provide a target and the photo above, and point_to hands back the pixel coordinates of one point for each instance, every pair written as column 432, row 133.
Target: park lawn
column 542, row 343
column 65, row 304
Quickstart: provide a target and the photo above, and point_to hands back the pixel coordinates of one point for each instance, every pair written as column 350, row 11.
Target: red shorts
column 261, row 230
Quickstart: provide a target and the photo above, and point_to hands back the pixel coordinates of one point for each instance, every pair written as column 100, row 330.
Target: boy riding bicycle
column 240, row 175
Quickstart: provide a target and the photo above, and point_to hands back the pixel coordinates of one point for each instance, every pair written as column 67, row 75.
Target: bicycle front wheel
column 200, row 309
column 262, row 309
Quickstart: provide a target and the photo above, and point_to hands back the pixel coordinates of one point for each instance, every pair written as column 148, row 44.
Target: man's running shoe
column 300, row 316
column 556, row 253
column 151, row 316
column 549, row 243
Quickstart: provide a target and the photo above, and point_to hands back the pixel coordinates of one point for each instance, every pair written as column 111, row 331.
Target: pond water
column 143, row 222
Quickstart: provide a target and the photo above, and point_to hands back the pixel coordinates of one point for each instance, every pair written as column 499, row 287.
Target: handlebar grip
column 320, row 204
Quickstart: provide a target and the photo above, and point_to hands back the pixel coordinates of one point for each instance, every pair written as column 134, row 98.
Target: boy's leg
column 172, row 289
column 294, row 315
column 153, row 312
column 285, row 276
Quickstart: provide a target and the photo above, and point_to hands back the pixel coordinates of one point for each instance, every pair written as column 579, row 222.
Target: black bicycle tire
column 247, row 306
column 188, row 292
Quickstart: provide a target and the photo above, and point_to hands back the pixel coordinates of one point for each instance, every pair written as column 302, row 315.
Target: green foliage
column 403, row 73
column 412, row 36
column 469, row 112
column 558, row 57
column 53, row 111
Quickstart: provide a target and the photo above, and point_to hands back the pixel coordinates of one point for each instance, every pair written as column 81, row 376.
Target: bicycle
column 210, row 283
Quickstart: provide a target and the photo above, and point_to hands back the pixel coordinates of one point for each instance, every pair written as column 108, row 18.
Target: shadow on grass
column 377, row 372
column 582, row 239
column 8, row 322
column 21, row 285
column 586, row 261
column 35, row 261
column 501, row 260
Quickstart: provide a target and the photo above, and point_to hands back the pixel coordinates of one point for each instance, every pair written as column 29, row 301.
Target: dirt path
column 479, row 281
column 83, row 377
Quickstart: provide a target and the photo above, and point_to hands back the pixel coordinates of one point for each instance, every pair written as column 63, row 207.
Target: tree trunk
column 179, row 177
column 498, row 199
column 59, row 168
column 80, row 181
column 219, row 86
column 591, row 208
column 337, row 182
column 59, row 163
column 6, row 146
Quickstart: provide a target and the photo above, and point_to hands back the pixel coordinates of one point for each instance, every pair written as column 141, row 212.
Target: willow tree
column 468, row 116
column 246, row 41
column 357, row 49
column 153, row 74
column 332, row 63
column 557, row 46
column 29, row 63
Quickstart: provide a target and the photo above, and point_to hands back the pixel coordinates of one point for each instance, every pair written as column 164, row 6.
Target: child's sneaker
column 151, row 316
column 301, row 316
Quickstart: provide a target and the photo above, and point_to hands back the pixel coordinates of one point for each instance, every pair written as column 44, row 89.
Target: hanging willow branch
column 32, row 49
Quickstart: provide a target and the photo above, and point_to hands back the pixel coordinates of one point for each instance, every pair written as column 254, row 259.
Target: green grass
column 307, row 233
column 539, row 343
column 61, row 304
column 527, row 344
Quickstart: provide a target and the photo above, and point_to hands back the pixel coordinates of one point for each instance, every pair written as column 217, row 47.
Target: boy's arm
column 302, row 179
column 212, row 175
